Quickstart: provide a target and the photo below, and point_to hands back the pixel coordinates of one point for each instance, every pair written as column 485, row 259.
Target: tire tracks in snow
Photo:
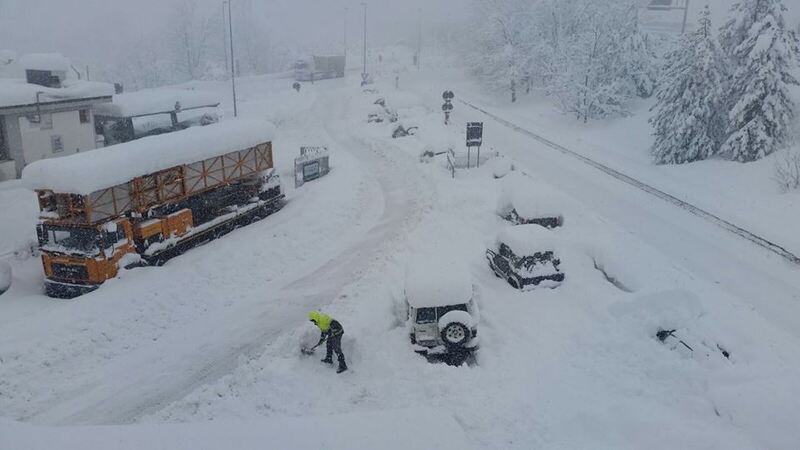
column 686, row 206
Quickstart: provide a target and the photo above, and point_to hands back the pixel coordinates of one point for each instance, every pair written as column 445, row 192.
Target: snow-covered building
column 133, row 115
column 46, row 114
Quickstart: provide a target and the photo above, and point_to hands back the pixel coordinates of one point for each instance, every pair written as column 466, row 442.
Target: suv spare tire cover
column 455, row 327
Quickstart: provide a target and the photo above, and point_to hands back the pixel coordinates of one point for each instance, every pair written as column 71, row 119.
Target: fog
column 97, row 32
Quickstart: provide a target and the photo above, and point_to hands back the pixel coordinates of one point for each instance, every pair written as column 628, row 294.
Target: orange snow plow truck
column 148, row 200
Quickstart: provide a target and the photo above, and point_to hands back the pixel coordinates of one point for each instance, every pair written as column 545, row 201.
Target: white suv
column 442, row 312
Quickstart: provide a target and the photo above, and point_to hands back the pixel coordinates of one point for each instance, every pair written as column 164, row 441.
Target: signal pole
column 233, row 66
column 364, row 4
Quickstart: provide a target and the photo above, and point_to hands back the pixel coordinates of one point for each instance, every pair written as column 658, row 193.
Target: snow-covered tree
column 763, row 51
column 689, row 119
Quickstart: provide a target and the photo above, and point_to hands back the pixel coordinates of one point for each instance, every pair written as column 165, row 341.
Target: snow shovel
column 308, row 351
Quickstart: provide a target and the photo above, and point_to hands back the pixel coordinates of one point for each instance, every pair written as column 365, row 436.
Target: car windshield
column 82, row 241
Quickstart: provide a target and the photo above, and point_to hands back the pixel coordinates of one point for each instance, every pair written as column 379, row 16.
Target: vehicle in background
column 442, row 313
column 525, row 257
column 148, row 200
column 319, row 68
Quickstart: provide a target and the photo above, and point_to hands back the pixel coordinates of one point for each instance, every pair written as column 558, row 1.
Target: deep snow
column 214, row 334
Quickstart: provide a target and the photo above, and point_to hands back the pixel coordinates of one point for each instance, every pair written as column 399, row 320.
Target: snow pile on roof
column 531, row 200
column 434, row 281
column 84, row 173
column 527, row 240
column 17, row 92
column 152, row 101
column 45, row 61
column 421, row 428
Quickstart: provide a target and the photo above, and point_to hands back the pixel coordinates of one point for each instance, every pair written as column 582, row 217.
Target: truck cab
column 78, row 258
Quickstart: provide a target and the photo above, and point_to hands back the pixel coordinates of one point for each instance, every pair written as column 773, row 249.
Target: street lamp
column 345, row 34
column 364, row 74
column 233, row 65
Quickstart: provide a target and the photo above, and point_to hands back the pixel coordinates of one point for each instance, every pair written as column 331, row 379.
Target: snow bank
column 420, row 428
column 20, row 215
column 531, row 200
column 437, row 282
column 526, row 240
column 84, row 173
column 150, row 101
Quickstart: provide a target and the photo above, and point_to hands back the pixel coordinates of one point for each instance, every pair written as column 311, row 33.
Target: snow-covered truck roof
column 527, row 240
column 85, row 173
column 432, row 282
column 156, row 101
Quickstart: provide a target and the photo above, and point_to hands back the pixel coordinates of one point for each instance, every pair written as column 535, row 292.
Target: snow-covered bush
column 787, row 171
column 590, row 56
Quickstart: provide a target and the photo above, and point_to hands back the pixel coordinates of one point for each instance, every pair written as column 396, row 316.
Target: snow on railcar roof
column 158, row 100
column 432, row 282
column 84, row 173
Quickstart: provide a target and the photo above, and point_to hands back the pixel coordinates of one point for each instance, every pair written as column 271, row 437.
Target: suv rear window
column 426, row 315
column 431, row 315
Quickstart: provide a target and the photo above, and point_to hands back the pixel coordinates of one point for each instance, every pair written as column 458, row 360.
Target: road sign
column 474, row 134
column 448, row 95
column 447, row 107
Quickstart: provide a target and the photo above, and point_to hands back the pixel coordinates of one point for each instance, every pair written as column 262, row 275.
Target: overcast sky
column 89, row 30
column 81, row 28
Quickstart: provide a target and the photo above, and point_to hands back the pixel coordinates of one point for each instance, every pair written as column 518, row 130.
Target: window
column 84, row 116
column 56, row 143
column 426, row 315
column 46, row 122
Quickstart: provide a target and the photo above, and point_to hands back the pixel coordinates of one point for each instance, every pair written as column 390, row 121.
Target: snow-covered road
column 767, row 281
column 285, row 265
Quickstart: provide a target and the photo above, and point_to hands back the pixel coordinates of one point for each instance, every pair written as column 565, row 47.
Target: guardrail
column 699, row 212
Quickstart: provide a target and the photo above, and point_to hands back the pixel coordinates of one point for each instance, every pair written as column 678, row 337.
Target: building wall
column 75, row 137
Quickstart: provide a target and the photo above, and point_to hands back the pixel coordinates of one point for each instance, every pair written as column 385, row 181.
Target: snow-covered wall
column 75, row 137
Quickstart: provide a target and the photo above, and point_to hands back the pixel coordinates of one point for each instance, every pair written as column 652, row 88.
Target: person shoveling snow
column 332, row 332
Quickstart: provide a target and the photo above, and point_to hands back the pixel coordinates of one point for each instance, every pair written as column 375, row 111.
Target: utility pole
column 224, row 36
column 233, row 66
column 345, row 35
column 685, row 14
column 364, row 4
column 419, row 41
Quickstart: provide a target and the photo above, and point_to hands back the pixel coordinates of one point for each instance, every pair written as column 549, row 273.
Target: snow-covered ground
column 214, row 334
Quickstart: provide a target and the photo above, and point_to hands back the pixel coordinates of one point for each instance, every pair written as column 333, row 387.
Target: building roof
column 84, row 173
column 16, row 93
column 156, row 101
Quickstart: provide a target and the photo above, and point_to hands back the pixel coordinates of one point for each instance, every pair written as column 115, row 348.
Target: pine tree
column 763, row 52
column 688, row 122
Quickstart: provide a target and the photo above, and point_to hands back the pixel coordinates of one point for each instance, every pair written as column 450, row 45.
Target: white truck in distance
column 319, row 68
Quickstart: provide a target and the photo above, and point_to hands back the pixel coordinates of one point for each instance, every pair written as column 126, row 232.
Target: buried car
column 524, row 256
column 442, row 312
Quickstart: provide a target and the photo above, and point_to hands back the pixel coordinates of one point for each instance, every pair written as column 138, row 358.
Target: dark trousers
column 334, row 344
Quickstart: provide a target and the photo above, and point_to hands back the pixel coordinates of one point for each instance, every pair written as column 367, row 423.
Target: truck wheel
column 455, row 334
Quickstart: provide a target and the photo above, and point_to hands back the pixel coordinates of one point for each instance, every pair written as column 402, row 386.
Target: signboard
column 474, row 134
column 314, row 162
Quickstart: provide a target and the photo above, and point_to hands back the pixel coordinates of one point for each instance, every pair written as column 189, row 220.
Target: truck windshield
column 73, row 241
